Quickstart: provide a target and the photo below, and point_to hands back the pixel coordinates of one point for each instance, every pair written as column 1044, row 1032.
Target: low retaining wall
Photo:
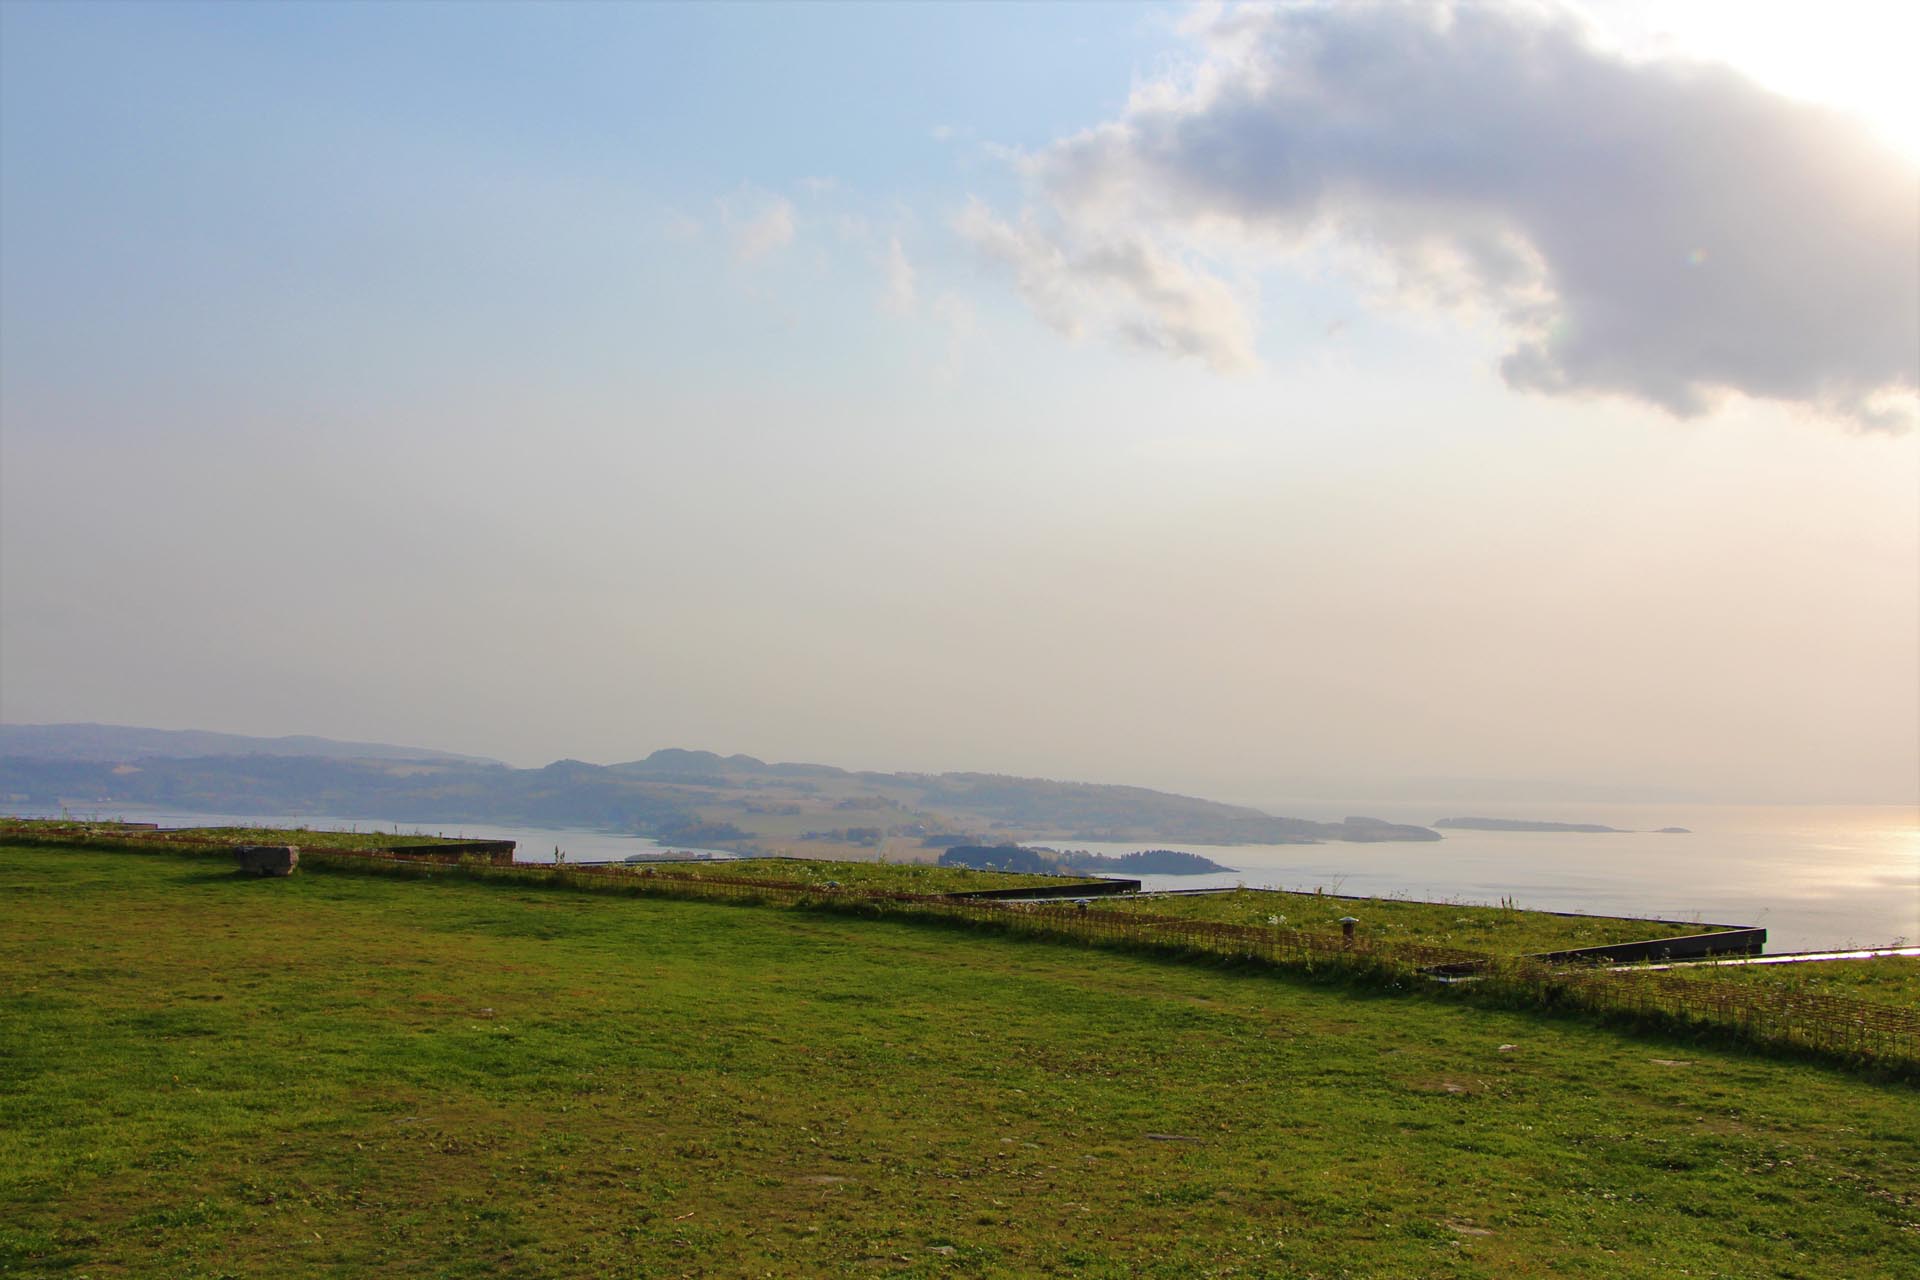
column 1692, row 946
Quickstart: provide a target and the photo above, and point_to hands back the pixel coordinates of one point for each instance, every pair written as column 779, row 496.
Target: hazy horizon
column 1259, row 402
column 1399, row 799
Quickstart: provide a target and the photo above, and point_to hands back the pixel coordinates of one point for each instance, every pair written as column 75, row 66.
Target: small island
column 1013, row 857
column 1672, row 831
column 1518, row 824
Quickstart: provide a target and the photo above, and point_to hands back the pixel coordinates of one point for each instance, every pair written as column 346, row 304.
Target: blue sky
column 1122, row 392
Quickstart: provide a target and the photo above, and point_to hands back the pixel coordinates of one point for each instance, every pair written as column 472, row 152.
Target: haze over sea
column 1815, row 876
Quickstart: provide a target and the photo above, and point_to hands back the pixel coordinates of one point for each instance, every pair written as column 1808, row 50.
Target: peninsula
column 1520, row 824
column 737, row 803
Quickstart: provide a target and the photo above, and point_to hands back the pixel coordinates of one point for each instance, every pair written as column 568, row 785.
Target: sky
column 1359, row 400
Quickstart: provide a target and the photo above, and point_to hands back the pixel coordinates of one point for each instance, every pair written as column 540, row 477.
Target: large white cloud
column 1665, row 230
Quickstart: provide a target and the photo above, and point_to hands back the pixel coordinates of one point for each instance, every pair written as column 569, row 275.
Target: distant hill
column 674, row 795
column 1079, row 810
column 124, row 744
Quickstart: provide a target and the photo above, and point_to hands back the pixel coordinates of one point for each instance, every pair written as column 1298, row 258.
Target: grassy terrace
column 1502, row 930
column 899, row 877
column 113, row 831
column 892, row 876
column 351, row 1075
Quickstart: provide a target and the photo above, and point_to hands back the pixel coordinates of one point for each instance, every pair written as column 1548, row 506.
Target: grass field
column 351, row 1075
column 1502, row 930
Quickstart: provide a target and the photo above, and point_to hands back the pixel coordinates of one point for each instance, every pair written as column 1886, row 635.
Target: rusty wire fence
column 1863, row 1030
column 1860, row 1031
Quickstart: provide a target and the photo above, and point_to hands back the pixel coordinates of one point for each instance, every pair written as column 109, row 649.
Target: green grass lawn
column 1500, row 930
column 351, row 1075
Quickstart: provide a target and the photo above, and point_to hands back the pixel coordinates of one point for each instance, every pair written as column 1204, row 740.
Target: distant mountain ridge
column 675, row 795
column 125, row 744
column 1093, row 810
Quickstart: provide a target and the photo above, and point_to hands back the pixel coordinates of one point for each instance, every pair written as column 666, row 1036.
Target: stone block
column 267, row 859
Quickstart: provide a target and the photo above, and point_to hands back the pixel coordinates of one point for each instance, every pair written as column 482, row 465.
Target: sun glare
column 1855, row 55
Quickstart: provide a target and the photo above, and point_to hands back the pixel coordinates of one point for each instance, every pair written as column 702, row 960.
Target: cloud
column 766, row 232
column 900, row 279
column 1126, row 284
column 1664, row 230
